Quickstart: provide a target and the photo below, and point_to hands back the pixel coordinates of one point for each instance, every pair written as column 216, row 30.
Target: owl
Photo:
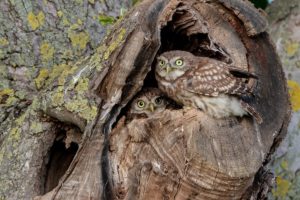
column 147, row 102
column 205, row 83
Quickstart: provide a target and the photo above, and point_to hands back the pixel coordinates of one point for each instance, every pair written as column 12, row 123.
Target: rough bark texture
column 285, row 30
column 182, row 154
column 39, row 43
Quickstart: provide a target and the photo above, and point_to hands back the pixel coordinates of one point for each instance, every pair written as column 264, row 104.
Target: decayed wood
column 252, row 18
column 184, row 154
column 170, row 157
column 181, row 154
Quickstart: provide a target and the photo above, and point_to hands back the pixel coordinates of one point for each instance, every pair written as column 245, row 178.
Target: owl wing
column 214, row 79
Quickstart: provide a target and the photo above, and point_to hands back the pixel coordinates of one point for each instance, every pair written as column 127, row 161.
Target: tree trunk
column 64, row 131
column 285, row 28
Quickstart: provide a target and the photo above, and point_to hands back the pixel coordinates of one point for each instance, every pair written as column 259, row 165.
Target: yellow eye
column 179, row 62
column 158, row 100
column 161, row 63
column 140, row 103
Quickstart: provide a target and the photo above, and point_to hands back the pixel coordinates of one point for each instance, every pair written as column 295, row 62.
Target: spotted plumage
column 147, row 103
column 205, row 83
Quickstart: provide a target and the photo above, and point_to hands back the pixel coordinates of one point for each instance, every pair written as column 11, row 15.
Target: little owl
column 205, row 83
column 147, row 102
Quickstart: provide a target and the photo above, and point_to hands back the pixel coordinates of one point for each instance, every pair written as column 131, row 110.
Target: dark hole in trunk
column 176, row 37
column 60, row 158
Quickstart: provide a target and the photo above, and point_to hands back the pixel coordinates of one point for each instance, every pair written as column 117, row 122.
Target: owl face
column 173, row 64
column 148, row 102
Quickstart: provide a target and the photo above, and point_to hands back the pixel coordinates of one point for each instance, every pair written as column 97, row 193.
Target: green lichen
column 68, row 70
column 56, row 72
column 106, row 19
column 36, row 127
column 14, row 134
column 2, row 54
column 21, row 119
column 82, row 86
column 74, row 27
column 291, row 48
column 18, row 60
column 134, row 2
column 40, row 79
column 58, row 97
column 79, row 22
column 67, row 54
column 31, row 111
column 79, row 39
column 82, row 107
column 283, row 186
column 20, row 94
column 35, row 21
column 284, row 165
column 60, row 13
column 66, row 22
column 46, row 51
column 7, row 97
column 115, row 43
column 96, row 59
column 294, row 90
column 11, row 101
column 35, row 105
column 79, row 2
column 3, row 41
column 91, row 114
column 6, row 91
column 3, row 70
column 61, row 73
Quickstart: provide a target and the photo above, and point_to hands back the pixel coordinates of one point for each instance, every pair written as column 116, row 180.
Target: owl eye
column 140, row 103
column 179, row 62
column 161, row 63
column 159, row 100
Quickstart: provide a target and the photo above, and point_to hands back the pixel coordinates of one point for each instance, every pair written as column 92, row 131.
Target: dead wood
column 182, row 154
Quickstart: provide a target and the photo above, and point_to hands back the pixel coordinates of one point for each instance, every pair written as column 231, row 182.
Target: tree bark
column 39, row 43
column 284, row 28
column 72, row 114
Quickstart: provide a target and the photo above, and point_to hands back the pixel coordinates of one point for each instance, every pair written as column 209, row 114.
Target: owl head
column 173, row 64
column 148, row 102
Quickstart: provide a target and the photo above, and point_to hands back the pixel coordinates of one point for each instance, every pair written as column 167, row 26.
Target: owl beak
column 151, row 107
column 168, row 68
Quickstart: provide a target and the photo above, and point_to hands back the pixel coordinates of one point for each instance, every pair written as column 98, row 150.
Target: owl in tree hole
column 147, row 102
column 205, row 83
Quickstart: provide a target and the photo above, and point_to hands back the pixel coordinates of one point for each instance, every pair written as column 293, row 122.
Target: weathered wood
column 181, row 154
column 159, row 157
column 184, row 154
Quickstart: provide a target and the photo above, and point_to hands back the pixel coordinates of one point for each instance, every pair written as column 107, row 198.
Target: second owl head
column 149, row 101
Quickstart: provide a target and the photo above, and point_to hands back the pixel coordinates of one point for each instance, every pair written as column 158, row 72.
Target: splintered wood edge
column 253, row 19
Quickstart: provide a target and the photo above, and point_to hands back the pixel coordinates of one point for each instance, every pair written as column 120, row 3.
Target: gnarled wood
column 184, row 154
column 181, row 154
